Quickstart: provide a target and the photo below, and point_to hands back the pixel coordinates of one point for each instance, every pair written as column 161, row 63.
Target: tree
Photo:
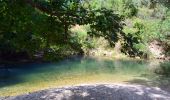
column 34, row 25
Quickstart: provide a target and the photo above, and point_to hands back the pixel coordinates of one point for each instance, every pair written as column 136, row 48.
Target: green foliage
column 16, row 28
column 150, row 23
column 107, row 25
column 123, row 7
column 33, row 26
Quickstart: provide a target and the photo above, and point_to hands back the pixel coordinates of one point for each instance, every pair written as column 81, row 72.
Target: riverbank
column 97, row 92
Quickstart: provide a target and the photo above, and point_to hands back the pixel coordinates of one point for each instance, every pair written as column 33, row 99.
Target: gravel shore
column 97, row 92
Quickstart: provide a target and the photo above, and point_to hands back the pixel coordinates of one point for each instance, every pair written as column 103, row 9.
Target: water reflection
column 163, row 69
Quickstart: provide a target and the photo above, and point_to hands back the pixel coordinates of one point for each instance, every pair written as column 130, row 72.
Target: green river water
column 25, row 78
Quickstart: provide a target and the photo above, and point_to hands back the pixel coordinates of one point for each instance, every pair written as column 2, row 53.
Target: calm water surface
column 24, row 78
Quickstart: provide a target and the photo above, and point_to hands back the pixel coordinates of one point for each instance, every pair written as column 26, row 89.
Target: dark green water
column 23, row 78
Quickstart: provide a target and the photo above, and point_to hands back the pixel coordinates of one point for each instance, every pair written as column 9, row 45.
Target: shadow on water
column 160, row 77
column 6, row 79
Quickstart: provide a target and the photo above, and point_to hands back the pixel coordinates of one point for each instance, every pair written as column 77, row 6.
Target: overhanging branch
column 38, row 6
column 48, row 10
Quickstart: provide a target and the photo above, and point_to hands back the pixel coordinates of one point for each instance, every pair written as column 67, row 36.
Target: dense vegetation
column 44, row 28
column 145, row 21
column 30, row 27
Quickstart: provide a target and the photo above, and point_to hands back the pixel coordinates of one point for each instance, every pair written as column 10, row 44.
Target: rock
column 157, row 49
column 97, row 92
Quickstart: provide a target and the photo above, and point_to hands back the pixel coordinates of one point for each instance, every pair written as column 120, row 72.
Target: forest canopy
column 31, row 28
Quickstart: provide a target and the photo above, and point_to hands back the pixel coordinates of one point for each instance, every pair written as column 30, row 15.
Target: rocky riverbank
column 97, row 92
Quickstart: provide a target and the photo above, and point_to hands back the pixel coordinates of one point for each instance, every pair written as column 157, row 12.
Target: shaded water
column 24, row 78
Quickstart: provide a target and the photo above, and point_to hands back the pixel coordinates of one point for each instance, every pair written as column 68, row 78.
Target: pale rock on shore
column 97, row 92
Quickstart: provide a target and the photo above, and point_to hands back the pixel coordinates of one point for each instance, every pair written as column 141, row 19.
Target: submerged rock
column 97, row 92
